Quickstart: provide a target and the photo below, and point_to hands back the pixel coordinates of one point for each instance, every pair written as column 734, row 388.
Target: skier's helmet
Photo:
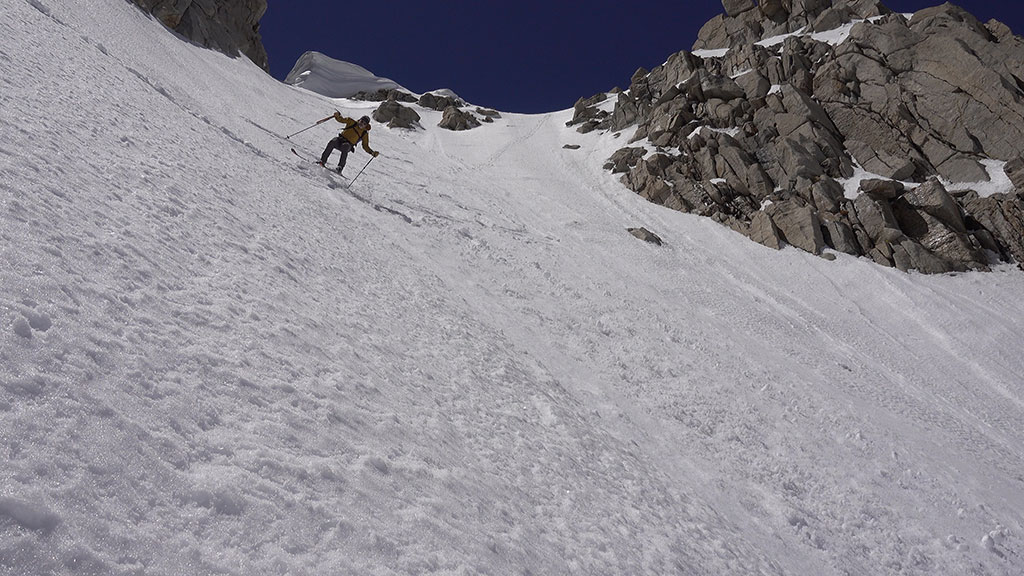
column 365, row 120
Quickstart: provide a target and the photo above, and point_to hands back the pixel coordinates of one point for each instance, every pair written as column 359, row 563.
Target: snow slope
column 216, row 359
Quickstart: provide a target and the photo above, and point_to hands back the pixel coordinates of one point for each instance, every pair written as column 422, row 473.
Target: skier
column 355, row 130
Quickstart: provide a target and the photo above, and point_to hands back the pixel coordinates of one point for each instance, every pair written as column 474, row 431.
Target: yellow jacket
column 353, row 133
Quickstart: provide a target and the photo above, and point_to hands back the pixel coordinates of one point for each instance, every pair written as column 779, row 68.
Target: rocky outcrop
column 458, row 120
column 439, row 103
column 383, row 95
column 231, row 26
column 396, row 116
column 763, row 126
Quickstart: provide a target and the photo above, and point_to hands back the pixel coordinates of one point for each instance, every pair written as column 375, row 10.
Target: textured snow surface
column 216, row 359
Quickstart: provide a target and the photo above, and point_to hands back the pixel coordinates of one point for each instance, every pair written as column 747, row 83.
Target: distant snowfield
column 215, row 359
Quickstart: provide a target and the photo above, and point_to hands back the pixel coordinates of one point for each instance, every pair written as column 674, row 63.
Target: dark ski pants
column 342, row 145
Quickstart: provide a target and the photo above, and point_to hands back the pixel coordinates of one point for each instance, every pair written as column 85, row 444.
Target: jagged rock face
column 763, row 127
column 230, row 26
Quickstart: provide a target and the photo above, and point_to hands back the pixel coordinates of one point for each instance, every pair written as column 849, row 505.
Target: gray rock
column 881, row 189
column 827, row 194
column 799, row 157
column 798, row 225
column 1002, row 216
column 230, row 26
column 739, row 168
column 909, row 255
column 383, row 95
column 879, row 256
column 867, row 8
column 939, row 239
column 624, row 159
column 715, row 86
column 396, row 116
column 963, row 168
column 932, row 198
column 724, row 32
column 763, row 231
column 669, row 117
column 736, row 7
column 881, row 162
column 774, row 9
column 799, row 103
column 832, row 18
column 840, row 236
column 458, row 120
column 679, row 67
column 647, row 178
column 874, row 216
column 585, row 110
column 439, row 103
column 1014, row 170
column 625, row 114
column 754, row 85
column 645, row 235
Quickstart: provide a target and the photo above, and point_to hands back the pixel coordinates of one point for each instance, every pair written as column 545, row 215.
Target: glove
column 375, row 154
column 337, row 116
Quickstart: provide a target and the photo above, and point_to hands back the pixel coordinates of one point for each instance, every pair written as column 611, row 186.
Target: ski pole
column 318, row 122
column 361, row 171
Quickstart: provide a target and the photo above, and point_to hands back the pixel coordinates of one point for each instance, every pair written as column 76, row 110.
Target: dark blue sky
column 519, row 55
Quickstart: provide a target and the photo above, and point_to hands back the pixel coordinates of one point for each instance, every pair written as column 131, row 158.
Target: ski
column 317, row 162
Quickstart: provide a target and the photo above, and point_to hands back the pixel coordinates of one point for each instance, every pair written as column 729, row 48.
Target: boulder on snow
column 457, row 120
column 396, row 116
column 798, row 225
column 439, row 103
column 645, row 235
column 763, row 231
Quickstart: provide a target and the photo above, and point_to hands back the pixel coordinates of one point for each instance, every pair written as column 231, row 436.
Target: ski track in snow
column 217, row 358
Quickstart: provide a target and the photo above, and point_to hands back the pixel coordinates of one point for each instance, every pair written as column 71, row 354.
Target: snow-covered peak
column 324, row 75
